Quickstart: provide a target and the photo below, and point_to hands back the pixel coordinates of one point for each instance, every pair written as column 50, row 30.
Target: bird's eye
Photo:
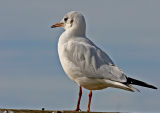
column 65, row 19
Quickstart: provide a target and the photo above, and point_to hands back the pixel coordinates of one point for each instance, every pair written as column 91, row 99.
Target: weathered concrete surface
column 44, row 111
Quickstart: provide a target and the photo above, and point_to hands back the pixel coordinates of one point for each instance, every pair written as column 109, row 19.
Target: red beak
column 57, row 25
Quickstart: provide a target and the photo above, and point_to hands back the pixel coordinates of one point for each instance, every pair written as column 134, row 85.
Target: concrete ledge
column 44, row 111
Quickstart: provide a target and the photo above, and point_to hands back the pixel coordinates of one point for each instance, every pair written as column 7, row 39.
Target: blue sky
column 31, row 76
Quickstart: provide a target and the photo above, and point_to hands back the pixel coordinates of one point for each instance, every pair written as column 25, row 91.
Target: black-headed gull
column 85, row 63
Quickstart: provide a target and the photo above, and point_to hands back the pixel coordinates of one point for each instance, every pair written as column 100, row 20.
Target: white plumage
column 85, row 63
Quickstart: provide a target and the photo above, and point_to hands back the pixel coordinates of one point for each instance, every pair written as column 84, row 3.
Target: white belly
column 75, row 74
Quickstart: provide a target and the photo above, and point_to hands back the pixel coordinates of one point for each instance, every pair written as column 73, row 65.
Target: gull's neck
column 76, row 32
column 70, row 34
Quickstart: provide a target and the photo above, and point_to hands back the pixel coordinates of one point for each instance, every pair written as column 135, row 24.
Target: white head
column 73, row 22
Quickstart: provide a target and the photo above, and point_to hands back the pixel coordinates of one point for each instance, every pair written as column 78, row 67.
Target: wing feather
column 92, row 61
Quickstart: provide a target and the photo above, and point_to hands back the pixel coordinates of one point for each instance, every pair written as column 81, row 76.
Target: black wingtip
column 140, row 83
column 154, row 87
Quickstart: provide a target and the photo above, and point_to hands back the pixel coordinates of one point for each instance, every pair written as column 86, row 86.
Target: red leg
column 79, row 99
column 89, row 102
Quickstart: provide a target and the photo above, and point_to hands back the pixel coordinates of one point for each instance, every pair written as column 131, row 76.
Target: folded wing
column 91, row 61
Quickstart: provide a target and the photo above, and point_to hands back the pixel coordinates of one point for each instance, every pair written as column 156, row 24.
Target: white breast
column 67, row 65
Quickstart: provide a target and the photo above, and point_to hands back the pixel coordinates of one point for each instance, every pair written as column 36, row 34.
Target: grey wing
column 92, row 62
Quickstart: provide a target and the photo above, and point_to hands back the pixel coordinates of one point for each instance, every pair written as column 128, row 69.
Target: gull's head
column 74, row 22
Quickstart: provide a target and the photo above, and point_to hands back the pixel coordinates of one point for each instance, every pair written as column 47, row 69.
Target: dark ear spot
column 71, row 21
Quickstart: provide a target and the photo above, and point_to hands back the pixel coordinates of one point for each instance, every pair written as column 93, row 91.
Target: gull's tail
column 139, row 83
